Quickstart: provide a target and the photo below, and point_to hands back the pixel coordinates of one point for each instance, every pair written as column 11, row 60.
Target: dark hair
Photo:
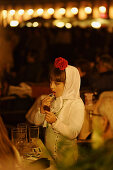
column 57, row 75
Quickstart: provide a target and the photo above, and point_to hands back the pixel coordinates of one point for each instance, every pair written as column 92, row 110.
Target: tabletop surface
column 42, row 157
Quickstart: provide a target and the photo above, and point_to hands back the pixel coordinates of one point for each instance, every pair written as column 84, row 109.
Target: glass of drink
column 33, row 134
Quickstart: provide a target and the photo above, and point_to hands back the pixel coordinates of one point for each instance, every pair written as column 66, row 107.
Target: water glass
column 22, row 127
column 33, row 134
column 19, row 138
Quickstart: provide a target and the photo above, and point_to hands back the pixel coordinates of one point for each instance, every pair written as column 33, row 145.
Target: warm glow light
column 96, row 13
column 68, row 25
column 4, row 13
column 102, row 9
column 60, row 24
column 21, row 12
column 30, row 11
column 62, row 11
column 96, row 24
column 35, row 24
column 74, row 10
column 14, row 23
column 111, row 12
column 82, row 15
column 12, row 12
column 50, row 11
column 88, row 10
column 46, row 15
column 40, row 11
column 29, row 24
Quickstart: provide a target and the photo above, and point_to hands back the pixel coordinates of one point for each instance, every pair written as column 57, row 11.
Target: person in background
column 9, row 156
column 64, row 120
column 103, row 115
column 83, row 66
column 103, row 80
column 100, row 154
column 29, row 72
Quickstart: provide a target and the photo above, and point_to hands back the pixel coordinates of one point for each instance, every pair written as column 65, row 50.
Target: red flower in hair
column 60, row 63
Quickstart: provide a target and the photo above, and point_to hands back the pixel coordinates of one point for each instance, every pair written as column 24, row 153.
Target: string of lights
column 68, row 15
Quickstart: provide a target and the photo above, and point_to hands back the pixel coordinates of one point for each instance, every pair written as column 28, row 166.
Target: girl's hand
column 50, row 117
column 45, row 102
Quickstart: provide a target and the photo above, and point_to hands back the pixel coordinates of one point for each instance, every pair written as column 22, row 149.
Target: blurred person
column 7, row 42
column 83, row 66
column 103, row 80
column 100, row 155
column 104, row 115
column 29, row 72
column 102, row 56
column 9, row 156
column 64, row 120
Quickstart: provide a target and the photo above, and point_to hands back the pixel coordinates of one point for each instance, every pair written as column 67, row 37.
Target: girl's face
column 57, row 88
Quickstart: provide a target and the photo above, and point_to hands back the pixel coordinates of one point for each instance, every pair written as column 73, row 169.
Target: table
column 43, row 159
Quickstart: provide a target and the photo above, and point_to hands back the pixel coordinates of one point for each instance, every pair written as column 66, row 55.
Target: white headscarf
column 72, row 84
column 71, row 88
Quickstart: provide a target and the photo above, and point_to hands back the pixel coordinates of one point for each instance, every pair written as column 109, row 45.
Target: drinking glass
column 22, row 127
column 19, row 138
column 33, row 134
